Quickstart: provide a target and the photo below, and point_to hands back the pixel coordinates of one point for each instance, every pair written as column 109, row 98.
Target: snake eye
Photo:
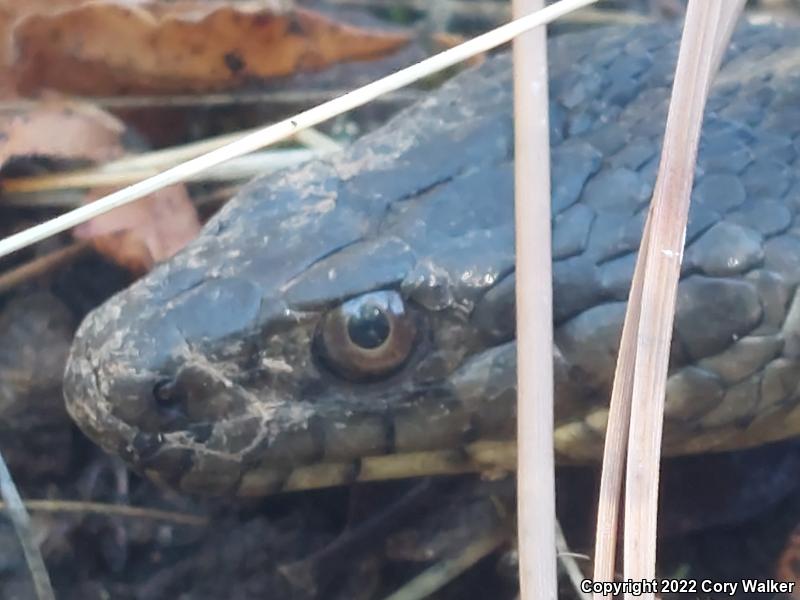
column 367, row 337
column 164, row 393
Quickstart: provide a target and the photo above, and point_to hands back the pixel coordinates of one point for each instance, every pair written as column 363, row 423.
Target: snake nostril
column 171, row 398
column 166, row 394
column 145, row 445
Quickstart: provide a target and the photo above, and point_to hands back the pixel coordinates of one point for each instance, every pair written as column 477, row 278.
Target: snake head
column 320, row 317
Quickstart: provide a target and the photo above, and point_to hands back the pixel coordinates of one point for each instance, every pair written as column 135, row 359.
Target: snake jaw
column 87, row 405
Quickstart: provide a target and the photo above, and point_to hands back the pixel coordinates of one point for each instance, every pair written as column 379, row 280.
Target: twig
column 115, row 510
column 434, row 578
column 292, row 97
column 315, row 571
column 316, row 140
column 132, row 168
column 66, row 198
column 704, row 31
column 22, row 526
column 169, row 157
column 536, row 511
column 288, row 127
column 242, row 167
column 618, row 429
column 41, row 265
column 567, row 560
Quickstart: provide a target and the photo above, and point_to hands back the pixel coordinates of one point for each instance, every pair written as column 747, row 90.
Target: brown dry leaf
column 135, row 236
column 123, row 47
column 12, row 11
column 145, row 232
column 61, row 130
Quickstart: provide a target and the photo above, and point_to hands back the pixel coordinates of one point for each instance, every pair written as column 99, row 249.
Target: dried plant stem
column 22, row 526
column 443, row 572
column 42, row 265
column 570, row 565
column 707, row 23
column 296, row 96
column 619, row 418
column 535, row 471
column 621, row 396
column 169, row 157
column 315, row 139
column 242, row 167
column 289, row 127
column 112, row 510
column 135, row 168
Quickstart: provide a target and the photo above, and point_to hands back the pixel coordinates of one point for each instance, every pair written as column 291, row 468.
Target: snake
column 360, row 308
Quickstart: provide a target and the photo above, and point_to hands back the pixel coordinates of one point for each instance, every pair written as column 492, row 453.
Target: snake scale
column 362, row 305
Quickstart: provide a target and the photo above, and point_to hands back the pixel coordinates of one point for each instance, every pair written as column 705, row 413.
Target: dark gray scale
column 724, row 148
column 725, row 249
column 616, row 275
column 768, row 217
column 572, row 163
column 494, row 316
column 364, row 265
column 571, row 231
column 635, row 154
column 718, row 192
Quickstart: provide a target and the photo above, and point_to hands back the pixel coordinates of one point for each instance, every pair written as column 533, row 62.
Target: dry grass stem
column 301, row 97
column 236, row 169
column 131, row 169
column 18, row 515
column 112, row 510
column 570, row 564
column 619, row 418
column 41, row 266
column 536, row 513
column 619, row 415
column 442, row 573
column 315, row 139
column 706, row 30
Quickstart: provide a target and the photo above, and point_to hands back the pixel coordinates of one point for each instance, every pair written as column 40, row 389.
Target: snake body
column 362, row 305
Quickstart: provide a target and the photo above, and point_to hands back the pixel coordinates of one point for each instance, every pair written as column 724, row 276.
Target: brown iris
column 367, row 337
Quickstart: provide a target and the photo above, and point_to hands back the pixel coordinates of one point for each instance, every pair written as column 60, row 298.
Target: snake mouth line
column 483, row 456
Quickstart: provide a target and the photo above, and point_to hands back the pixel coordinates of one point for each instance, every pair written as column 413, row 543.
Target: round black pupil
column 369, row 327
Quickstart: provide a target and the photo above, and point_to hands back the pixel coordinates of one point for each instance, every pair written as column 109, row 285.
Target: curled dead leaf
column 115, row 48
column 145, row 232
column 11, row 11
column 61, row 130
